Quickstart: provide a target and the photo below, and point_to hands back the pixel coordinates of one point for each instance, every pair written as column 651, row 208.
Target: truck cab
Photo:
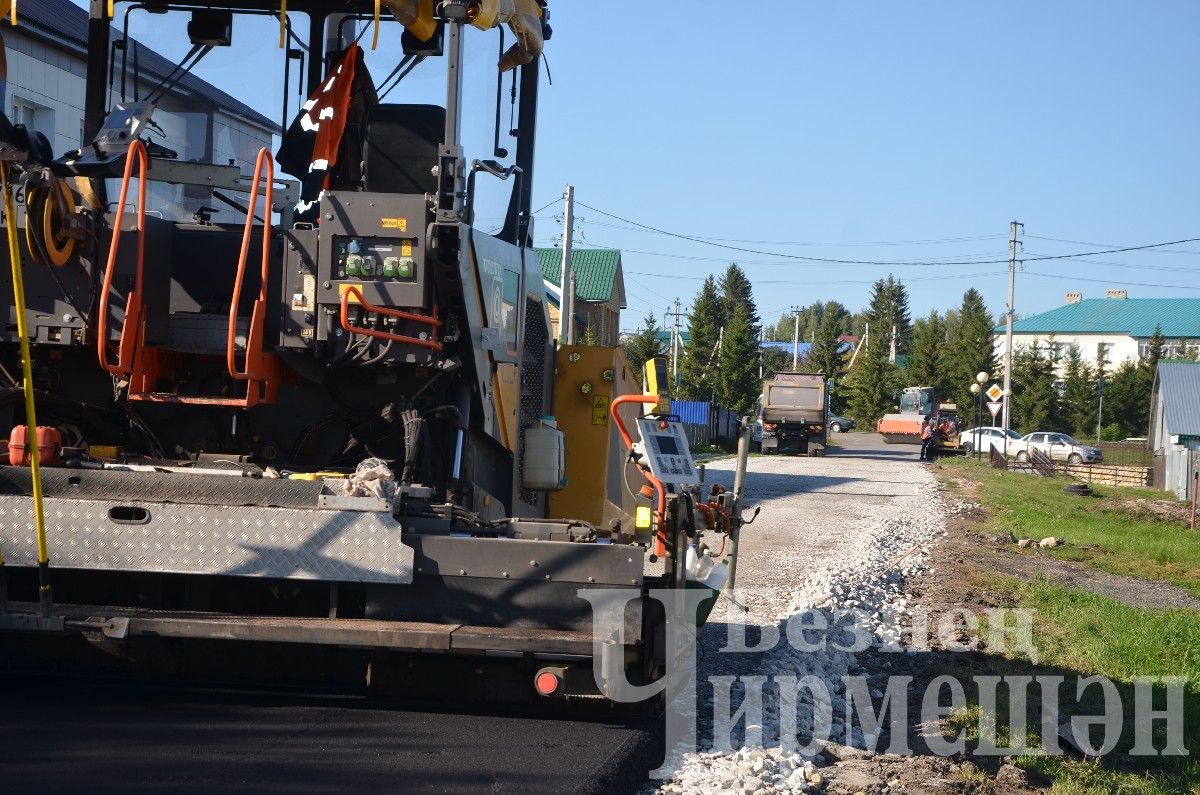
column 794, row 414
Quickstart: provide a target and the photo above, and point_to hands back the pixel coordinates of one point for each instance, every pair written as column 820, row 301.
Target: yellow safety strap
column 39, row 516
column 375, row 35
column 282, row 24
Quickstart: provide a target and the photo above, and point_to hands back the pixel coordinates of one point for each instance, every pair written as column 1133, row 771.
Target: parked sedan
column 992, row 437
column 841, row 424
column 1061, row 447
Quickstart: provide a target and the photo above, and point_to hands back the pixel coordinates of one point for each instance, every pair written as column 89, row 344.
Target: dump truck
column 794, row 413
column 917, row 405
column 329, row 439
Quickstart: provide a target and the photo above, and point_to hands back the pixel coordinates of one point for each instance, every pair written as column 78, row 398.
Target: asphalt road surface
column 96, row 736
column 76, row 735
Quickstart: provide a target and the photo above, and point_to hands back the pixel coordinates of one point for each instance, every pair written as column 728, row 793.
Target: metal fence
column 1128, row 454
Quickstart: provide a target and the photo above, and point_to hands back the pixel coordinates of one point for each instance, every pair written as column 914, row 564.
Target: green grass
column 1096, row 534
column 1085, row 634
column 1078, row 633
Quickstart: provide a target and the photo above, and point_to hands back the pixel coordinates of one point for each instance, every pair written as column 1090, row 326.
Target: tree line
column 1054, row 388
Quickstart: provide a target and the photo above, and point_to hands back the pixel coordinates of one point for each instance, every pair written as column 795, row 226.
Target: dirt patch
column 1156, row 510
column 924, row 775
column 967, row 553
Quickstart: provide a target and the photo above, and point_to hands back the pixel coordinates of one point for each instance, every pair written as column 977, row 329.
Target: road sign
column 994, row 392
column 994, row 406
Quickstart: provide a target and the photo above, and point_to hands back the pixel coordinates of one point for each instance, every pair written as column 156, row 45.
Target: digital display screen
column 666, row 445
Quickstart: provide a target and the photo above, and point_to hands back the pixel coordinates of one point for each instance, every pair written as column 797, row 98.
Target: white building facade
column 1110, row 330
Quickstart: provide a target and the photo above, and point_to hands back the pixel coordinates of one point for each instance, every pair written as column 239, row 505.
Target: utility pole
column 761, row 332
column 571, row 304
column 892, row 355
column 676, row 347
column 866, row 337
column 567, row 299
column 1008, row 322
column 796, row 344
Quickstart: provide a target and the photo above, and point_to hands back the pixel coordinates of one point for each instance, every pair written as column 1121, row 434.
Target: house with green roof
column 599, row 290
column 1113, row 329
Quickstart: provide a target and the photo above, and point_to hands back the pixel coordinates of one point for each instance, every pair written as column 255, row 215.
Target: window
column 34, row 117
column 1101, row 352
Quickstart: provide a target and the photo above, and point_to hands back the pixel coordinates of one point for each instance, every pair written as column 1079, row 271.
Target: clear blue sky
column 836, row 125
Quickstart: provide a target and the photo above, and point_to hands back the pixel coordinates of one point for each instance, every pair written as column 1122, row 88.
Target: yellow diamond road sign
column 994, row 392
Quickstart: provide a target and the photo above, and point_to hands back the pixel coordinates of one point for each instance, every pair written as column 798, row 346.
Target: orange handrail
column 127, row 345
column 254, row 332
column 660, row 544
column 434, row 323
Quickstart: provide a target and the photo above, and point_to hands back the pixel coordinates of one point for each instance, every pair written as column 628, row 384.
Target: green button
column 406, row 268
column 353, row 265
column 368, row 265
column 391, row 265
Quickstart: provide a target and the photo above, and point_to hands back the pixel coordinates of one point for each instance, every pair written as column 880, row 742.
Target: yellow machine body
column 587, row 379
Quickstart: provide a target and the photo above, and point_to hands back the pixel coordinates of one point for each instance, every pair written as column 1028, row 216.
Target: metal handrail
column 254, row 332
column 134, row 312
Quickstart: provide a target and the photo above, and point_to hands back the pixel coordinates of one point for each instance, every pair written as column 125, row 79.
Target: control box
column 666, row 450
column 389, row 258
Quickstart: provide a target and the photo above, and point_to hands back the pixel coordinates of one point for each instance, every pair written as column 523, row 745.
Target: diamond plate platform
column 290, row 543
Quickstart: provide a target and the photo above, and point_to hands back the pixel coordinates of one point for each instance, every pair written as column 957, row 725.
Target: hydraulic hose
column 39, row 516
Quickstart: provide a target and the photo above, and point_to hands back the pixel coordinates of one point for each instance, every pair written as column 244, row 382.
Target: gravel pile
column 835, row 534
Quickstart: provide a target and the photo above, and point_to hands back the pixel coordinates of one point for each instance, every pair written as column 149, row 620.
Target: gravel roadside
column 835, row 533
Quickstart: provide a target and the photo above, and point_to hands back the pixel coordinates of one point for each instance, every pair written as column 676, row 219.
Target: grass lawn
column 1096, row 532
column 1078, row 633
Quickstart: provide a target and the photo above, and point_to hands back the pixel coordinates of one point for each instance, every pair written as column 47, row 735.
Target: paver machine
column 326, row 425
column 917, row 405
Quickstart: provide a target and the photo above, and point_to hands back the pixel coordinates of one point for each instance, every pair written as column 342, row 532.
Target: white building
column 1113, row 329
column 1175, row 425
column 46, row 55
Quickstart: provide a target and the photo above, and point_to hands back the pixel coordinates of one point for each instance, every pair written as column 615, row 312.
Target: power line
column 1065, row 277
column 807, row 282
column 1085, row 243
column 815, row 243
column 886, row 263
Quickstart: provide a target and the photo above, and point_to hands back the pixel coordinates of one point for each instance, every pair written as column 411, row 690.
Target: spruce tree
column 971, row 348
column 927, row 363
column 736, row 291
column 825, row 355
column 1075, row 405
column 738, row 386
column 644, row 345
column 699, row 364
column 1154, row 351
column 1034, row 395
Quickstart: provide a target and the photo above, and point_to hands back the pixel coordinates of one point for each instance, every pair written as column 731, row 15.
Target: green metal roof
column 595, row 270
column 1137, row 317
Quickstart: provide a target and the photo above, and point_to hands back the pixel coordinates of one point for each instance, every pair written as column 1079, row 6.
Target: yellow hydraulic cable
column 31, row 439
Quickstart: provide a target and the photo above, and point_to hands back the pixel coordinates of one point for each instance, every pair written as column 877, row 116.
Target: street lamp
column 977, row 439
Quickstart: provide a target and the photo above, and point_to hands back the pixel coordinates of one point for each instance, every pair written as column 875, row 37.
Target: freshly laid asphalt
column 99, row 736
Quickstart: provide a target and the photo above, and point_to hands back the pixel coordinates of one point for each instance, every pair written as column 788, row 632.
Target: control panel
column 389, row 258
column 665, row 445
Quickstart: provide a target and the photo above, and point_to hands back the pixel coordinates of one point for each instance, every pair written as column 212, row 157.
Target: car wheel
column 1022, row 456
column 836, row 427
column 967, row 447
column 1075, row 458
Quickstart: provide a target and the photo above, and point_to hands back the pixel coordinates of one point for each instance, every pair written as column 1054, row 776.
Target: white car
column 991, row 437
column 1061, row 447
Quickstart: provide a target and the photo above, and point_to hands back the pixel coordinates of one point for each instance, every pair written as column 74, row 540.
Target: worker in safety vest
column 926, row 438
